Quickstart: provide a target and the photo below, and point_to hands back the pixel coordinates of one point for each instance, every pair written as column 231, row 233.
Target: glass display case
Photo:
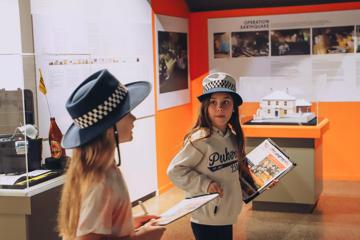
column 279, row 100
column 21, row 146
column 286, row 109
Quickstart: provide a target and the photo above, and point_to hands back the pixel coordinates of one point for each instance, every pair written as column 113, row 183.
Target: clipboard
column 264, row 164
column 184, row 207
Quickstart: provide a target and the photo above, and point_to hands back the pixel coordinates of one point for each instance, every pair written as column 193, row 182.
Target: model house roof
column 302, row 102
column 278, row 95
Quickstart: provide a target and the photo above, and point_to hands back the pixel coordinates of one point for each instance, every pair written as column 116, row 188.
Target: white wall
column 85, row 36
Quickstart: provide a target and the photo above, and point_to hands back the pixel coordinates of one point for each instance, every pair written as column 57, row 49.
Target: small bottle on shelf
column 55, row 136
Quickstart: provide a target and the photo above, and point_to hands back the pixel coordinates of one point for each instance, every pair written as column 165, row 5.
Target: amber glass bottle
column 55, row 136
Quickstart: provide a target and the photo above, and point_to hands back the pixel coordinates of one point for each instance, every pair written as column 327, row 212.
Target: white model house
column 279, row 106
column 276, row 104
column 302, row 106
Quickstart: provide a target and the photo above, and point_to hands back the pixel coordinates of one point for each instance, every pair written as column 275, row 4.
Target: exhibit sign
column 310, row 47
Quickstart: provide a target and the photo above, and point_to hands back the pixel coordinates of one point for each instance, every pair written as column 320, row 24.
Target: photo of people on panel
column 250, row 44
column 221, row 45
column 330, row 40
column 290, row 42
column 173, row 61
column 264, row 171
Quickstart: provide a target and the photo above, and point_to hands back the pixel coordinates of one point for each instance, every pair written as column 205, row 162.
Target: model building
column 279, row 106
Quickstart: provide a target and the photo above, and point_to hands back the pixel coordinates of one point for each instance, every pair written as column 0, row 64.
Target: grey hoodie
column 203, row 160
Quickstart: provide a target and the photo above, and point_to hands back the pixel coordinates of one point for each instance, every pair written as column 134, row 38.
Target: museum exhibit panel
column 44, row 57
column 292, row 76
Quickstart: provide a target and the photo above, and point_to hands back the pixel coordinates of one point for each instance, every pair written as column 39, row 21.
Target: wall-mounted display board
column 173, row 87
column 72, row 40
column 63, row 73
column 319, row 49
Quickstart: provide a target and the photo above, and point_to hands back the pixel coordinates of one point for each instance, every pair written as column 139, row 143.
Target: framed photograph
column 332, row 40
column 172, row 62
column 250, row 44
column 290, row 42
column 221, row 45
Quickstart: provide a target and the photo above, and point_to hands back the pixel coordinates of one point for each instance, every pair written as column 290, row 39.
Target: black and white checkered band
column 219, row 84
column 102, row 110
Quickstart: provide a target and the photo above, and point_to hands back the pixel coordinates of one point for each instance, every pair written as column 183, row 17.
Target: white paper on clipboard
column 185, row 207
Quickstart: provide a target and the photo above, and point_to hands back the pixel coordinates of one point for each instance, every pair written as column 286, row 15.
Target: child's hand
column 141, row 220
column 214, row 187
column 273, row 183
column 149, row 231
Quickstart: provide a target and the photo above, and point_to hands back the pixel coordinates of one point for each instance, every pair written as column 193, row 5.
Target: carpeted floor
column 337, row 216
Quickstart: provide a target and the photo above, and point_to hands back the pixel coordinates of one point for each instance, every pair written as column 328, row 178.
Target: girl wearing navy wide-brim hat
column 210, row 158
column 95, row 202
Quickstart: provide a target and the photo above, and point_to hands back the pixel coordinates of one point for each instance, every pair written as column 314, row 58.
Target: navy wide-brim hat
column 98, row 103
column 220, row 82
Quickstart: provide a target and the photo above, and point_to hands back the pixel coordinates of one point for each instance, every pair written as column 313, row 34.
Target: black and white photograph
column 250, row 44
column 173, row 61
column 290, row 42
column 221, row 45
column 332, row 40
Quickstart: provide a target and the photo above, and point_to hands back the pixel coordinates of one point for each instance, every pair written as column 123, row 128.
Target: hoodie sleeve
column 183, row 174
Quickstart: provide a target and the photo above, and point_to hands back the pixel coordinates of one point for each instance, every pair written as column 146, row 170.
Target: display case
column 17, row 112
column 279, row 100
column 29, row 192
column 21, row 147
column 299, row 137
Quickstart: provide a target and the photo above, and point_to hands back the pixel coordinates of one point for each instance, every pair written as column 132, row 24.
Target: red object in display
column 55, row 137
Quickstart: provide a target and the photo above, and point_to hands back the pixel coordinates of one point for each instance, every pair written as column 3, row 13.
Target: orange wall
column 172, row 123
column 176, row 8
column 341, row 160
column 341, row 141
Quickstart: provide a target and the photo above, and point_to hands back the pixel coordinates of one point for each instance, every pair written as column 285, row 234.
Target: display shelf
column 287, row 131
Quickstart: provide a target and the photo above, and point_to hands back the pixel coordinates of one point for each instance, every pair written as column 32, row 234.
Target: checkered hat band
column 102, row 110
column 219, row 84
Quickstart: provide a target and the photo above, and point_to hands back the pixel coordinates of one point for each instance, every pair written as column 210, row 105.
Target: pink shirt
column 107, row 208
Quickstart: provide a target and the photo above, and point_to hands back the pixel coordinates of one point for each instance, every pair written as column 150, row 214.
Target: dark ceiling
column 211, row 5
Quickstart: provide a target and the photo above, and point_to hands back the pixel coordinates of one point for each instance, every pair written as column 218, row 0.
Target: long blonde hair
column 87, row 166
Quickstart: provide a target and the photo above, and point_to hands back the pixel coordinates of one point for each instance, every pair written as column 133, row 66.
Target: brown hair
column 87, row 166
column 203, row 121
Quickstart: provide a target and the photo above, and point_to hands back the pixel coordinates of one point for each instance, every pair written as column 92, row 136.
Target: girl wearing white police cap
column 209, row 160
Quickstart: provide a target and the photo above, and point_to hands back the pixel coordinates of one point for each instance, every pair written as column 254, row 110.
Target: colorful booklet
column 185, row 207
column 264, row 164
